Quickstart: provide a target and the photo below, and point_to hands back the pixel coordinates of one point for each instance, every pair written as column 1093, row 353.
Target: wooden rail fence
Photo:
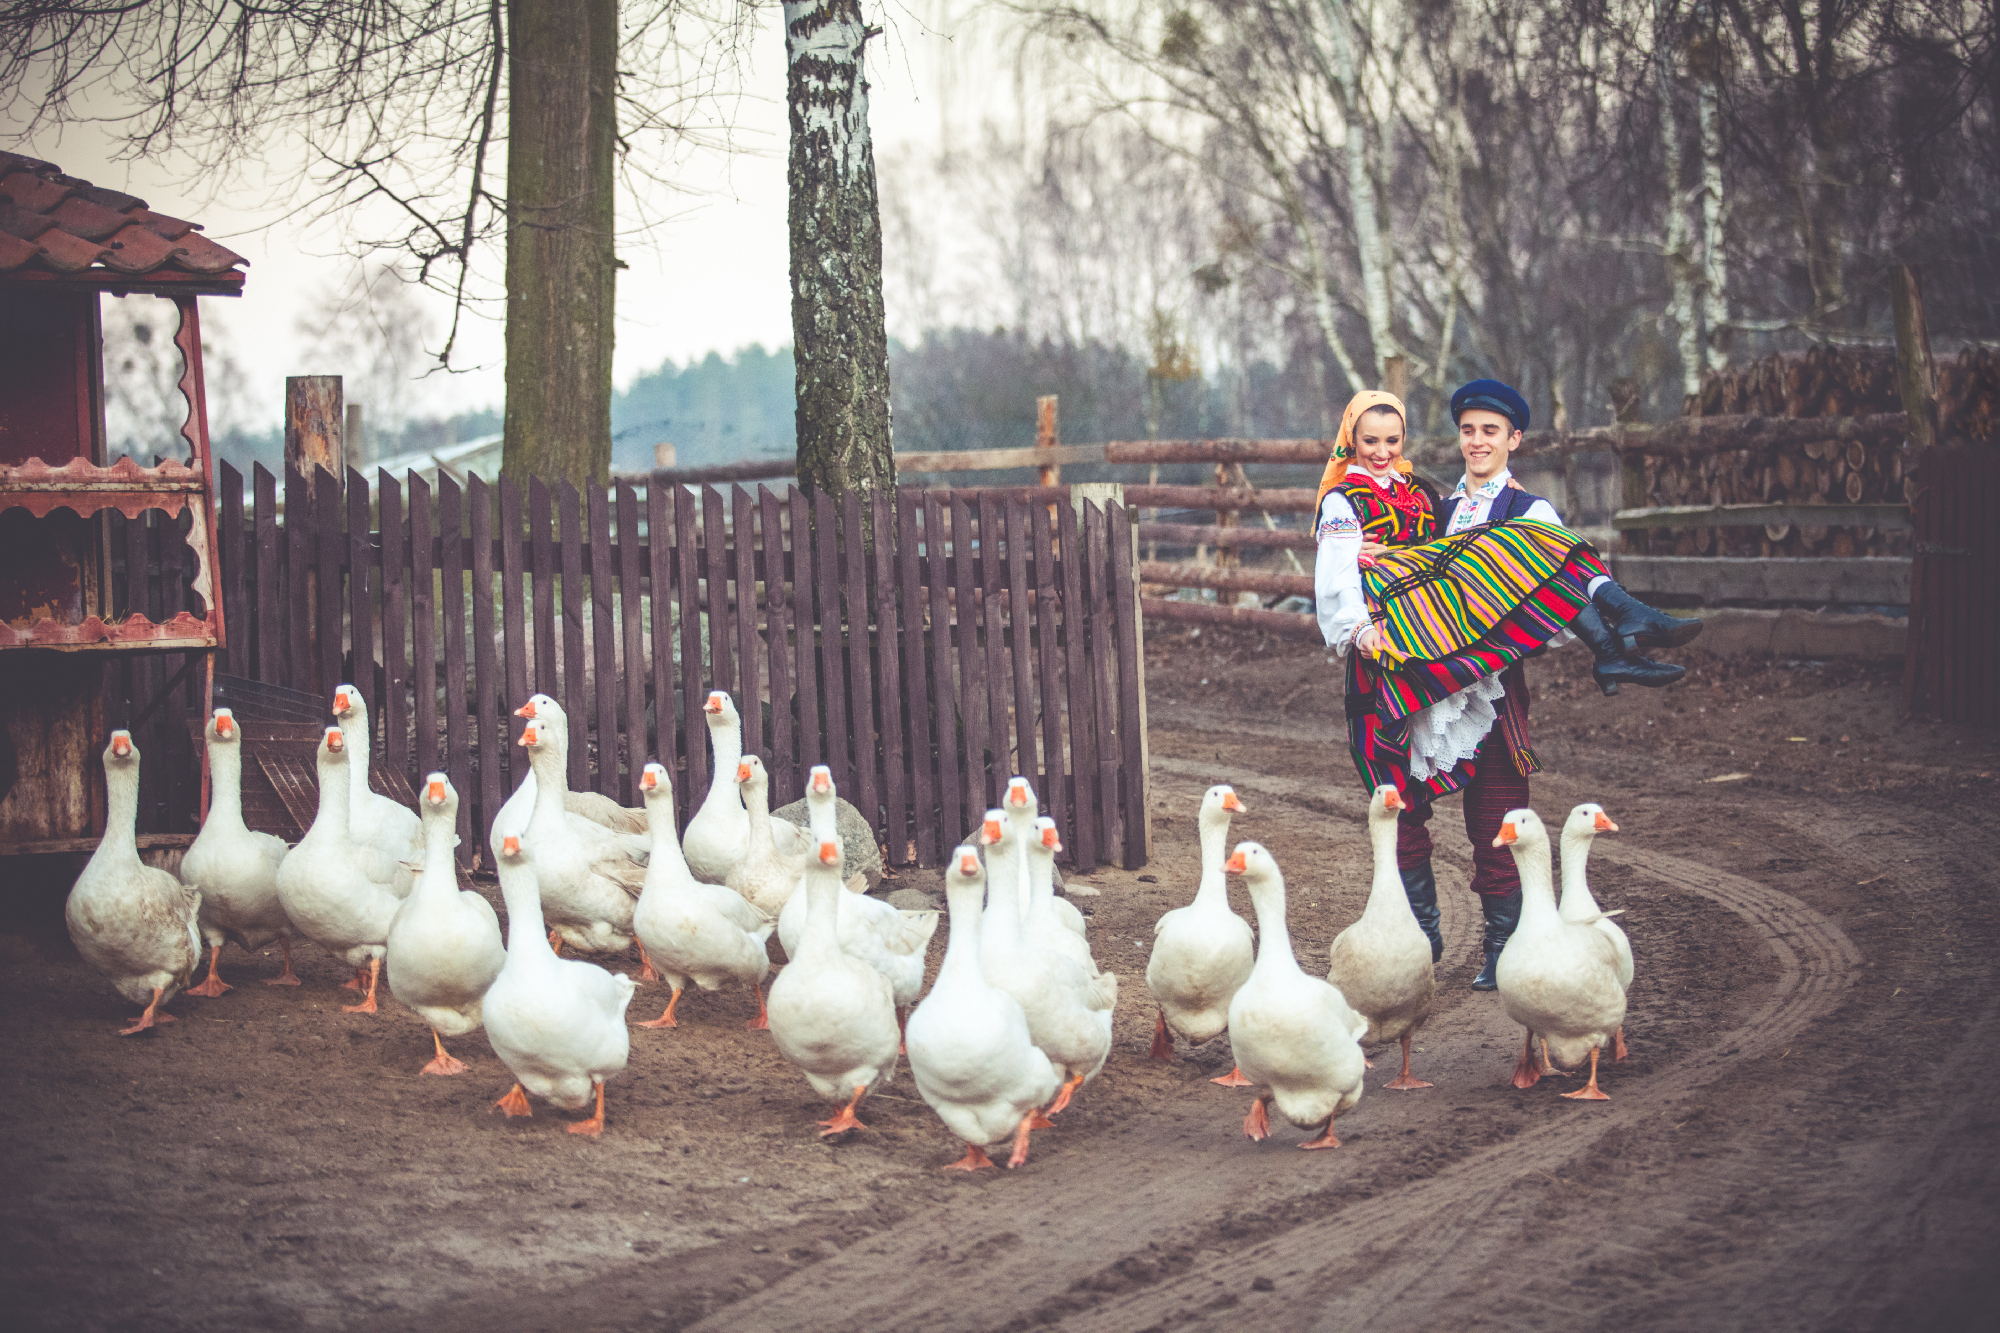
column 974, row 637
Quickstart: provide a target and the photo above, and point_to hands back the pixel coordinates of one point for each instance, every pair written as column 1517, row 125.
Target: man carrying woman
column 1434, row 603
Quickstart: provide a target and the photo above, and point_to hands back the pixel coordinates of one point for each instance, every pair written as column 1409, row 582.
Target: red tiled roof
column 59, row 224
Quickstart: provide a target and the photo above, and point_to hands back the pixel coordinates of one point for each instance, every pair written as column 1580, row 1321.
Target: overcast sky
column 711, row 277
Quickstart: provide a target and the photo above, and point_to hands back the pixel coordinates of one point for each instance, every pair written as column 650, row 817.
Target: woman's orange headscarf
column 1343, row 445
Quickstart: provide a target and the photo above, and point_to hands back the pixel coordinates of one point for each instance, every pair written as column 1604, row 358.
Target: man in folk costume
column 1434, row 605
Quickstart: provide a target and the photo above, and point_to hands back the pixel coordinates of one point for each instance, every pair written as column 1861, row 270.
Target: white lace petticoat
column 1453, row 728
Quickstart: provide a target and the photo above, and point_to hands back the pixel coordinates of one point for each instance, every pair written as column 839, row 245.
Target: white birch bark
column 1364, row 203
column 1715, row 273
column 1680, row 263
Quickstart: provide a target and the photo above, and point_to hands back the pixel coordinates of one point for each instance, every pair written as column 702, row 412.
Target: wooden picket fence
column 926, row 646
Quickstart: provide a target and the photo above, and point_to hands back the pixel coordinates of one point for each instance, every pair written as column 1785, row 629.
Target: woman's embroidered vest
column 1385, row 523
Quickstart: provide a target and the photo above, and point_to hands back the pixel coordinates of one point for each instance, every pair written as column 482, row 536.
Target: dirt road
column 1804, row 1137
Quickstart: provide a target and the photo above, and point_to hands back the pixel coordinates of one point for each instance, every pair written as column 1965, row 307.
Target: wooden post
column 1047, row 436
column 1396, row 375
column 1631, row 467
column 354, row 438
column 314, row 421
column 1916, row 373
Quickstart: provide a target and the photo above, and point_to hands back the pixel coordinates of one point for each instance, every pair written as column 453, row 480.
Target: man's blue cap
column 1494, row 397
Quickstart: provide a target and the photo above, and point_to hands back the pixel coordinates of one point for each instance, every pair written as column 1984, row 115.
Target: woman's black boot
column 1640, row 625
column 1616, row 664
column 1420, row 884
column 1503, row 913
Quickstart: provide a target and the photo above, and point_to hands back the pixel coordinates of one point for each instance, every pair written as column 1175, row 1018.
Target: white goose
column 340, row 894
column 588, row 890
column 133, row 922
column 1294, row 1036
column 444, row 947
column 831, row 1014
column 719, row 834
column 1039, row 923
column 1382, row 963
column 372, row 818
column 891, row 941
column 595, row 818
column 765, row 877
column 1204, row 951
column 970, row 1052
column 1023, row 808
column 1558, row 979
column 234, row 868
column 703, row 933
column 1068, row 1009
column 557, row 1023
column 1578, row 904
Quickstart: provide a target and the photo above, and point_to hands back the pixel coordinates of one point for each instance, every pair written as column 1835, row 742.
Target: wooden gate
column 1952, row 664
column 926, row 647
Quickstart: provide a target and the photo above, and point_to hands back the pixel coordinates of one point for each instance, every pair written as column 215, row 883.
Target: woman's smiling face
column 1378, row 438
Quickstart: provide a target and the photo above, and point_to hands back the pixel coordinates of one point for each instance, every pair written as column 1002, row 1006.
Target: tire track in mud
column 1405, row 1236
column 988, row 1265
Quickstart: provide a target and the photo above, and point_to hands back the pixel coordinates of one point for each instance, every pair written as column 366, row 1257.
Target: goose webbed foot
column 1257, row 1124
column 1325, row 1140
column 1068, row 1090
column 514, row 1103
column 367, row 1005
column 1618, row 1048
column 287, row 977
column 595, row 1125
column 666, row 1020
column 975, row 1159
column 1163, row 1042
column 1589, row 1092
column 151, row 1018
column 1527, row 1073
column 1233, row 1079
column 213, row 984
column 443, row 1063
column 1402, row 1081
column 844, row 1119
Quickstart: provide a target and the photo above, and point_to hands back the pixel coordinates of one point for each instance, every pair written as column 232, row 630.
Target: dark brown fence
column 926, row 647
column 1951, row 666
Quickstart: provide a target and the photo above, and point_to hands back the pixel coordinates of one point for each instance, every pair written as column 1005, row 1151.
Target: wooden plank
column 1267, row 581
column 784, row 742
column 327, row 555
column 1021, row 659
column 270, row 579
column 1854, row 580
column 514, row 633
column 749, row 647
column 236, row 618
column 660, row 560
column 887, row 651
column 934, row 721
column 1084, row 835
column 604, row 644
column 1218, row 451
column 1288, row 500
column 361, row 585
column 1891, row 516
column 832, row 649
column 1287, row 624
column 1196, row 534
column 864, row 728
column 806, row 650
column 1045, row 622
column 694, row 728
column 972, row 711
column 756, row 469
column 395, row 625
column 993, row 620
column 1131, row 688
column 451, row 607
column 715, row 545
column 299, row 665
column 632, row 631
column 1098, row 615
column 542, row 539
column 996, row 460
column 423, row 630
column 486, row 682
column 575, row 665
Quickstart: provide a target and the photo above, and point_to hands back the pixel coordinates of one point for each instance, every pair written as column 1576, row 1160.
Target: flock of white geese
column 1018, row 1019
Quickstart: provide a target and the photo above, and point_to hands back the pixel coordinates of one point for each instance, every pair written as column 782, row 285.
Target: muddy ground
column 1804, row 1137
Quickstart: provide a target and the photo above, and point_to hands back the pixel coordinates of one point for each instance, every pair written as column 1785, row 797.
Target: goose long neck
column 121, row 809
column 225, row 778
column 439, row 878
column 527, row 933
column 1214, row 840
column 545, row 763
column 334, row 804
column 354, row 736
column 757, row 800
column 1023, row 821
column 1387, row 890
column 1003, row 904
column 1274, row 933
column 822, row 910
column 1576, row 854
column 961, row 948
column 726, row 740
column 1538, row 890
column 667, row 852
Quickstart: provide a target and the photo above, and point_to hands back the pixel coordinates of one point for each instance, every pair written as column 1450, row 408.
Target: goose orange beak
column 525, row 710
column 743, row 772
column 1236, row 864
column 1508, row 835
column 340, row 701
column 1051, row 840
column 334, row 740
column 822, row 782
column 1231, row 801
column 1393, row 801
column 1602, row 823
column 224, row 724
column 529, row 736
column 510, row 846
column 1017, row 793
column 968, row 864
column 649, row 780
column 829, row 853
column 714, row 704
column 121, row 743
column 435, row 793
column 989, row 832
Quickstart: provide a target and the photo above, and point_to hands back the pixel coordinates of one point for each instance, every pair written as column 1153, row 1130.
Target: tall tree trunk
column 840, row 340
column 562, row 69
column 1680, row 256
column 1370, row 239
column 1715, row 270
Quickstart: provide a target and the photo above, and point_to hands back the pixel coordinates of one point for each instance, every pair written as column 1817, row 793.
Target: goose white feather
column 234, row 867
column 1382, row 963
column 444, row 947
column 1204, row 951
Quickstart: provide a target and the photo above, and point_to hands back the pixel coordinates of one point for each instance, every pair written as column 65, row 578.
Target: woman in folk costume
column 1434, row 627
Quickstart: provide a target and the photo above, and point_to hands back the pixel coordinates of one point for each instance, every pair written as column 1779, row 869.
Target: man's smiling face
column 1486, row 439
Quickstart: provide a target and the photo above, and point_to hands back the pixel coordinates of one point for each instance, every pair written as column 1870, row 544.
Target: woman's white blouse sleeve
column 1337, row 573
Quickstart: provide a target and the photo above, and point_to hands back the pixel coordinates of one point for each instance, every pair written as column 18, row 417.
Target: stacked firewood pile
column 1824, row 382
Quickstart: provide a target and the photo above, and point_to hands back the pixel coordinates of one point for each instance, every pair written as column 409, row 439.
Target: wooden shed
column 107, row 570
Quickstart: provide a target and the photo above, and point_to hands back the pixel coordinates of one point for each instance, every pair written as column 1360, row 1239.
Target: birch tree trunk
column 840, row 339
column 1715, row 271
column 1369, row 240
column 1680, row 262
column 562, row 71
